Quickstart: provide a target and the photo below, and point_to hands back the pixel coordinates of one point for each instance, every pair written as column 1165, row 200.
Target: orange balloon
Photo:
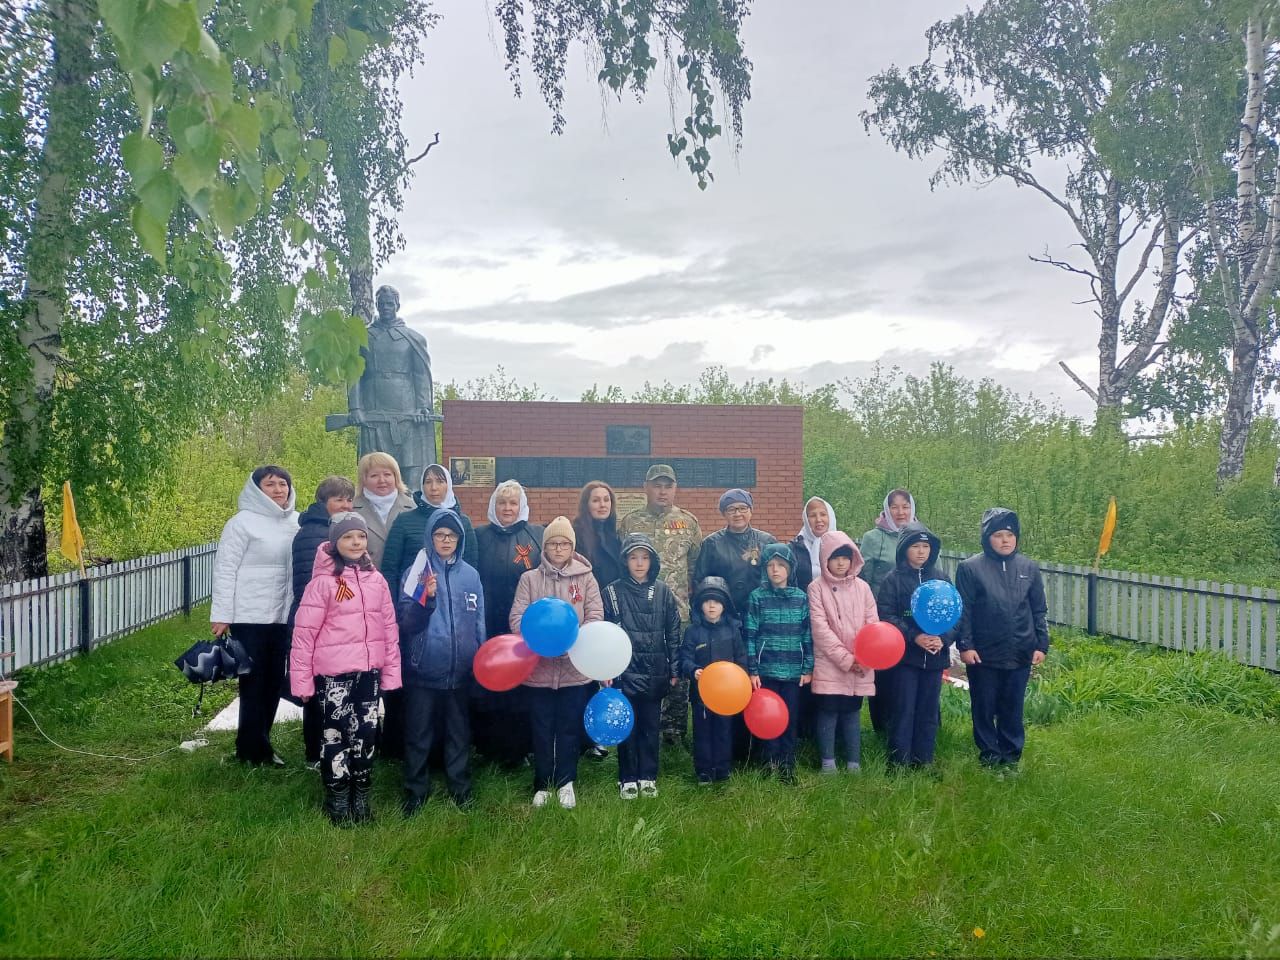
column 724, row 687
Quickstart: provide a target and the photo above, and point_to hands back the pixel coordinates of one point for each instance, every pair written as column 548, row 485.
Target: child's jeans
column 843, row 714
column 555, row 721
column 638, row 754
column 349, row 702
column 712, row 743
column 780, row 752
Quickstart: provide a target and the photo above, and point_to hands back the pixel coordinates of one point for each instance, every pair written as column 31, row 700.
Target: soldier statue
column 392, row 402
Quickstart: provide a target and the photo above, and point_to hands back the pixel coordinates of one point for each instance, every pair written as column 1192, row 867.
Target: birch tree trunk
column 61, row 173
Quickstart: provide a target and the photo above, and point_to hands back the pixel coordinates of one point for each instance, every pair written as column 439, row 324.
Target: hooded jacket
column 705, row 643
column 252, row 570
column 404, row 538
column 735, row 557
column 438, row 641
column 894, row 599
column 573, row 583
column 649, row 614
column 879, row 545
column 804, row 545
column 313, row 530
column 379, row 529
column 1004, row 601
column 505, row 555
column 838, row 609
column 779, row 644
column 345, row 623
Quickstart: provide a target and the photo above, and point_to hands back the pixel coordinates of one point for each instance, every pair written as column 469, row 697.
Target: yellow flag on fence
column 1108, row 528
column 72, row 538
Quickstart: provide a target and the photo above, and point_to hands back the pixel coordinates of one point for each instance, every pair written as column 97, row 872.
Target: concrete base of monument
column 229, row 718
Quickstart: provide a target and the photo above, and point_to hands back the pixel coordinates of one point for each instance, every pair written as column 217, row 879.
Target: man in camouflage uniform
column 678, row 538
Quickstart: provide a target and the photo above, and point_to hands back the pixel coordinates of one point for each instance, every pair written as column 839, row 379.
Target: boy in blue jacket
column 1002, row 635
column 441, row 614
column 714, row 634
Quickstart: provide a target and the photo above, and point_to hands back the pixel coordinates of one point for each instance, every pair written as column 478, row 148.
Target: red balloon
column 766, row 714
column 879, row 646
column 503, row 662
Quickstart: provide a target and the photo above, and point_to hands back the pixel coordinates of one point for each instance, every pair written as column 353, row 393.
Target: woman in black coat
column 596, row 527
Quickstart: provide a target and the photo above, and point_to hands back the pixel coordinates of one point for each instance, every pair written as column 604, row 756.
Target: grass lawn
column 1146, row 821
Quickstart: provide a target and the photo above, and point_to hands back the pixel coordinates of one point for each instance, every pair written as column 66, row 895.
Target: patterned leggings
column 350, row 705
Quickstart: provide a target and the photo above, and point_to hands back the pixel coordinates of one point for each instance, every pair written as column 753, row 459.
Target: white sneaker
column 629, row 790
column 567, row 798
column 541, row 797
column 648, row 788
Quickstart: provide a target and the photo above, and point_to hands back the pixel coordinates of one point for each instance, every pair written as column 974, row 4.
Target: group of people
column 378, row 596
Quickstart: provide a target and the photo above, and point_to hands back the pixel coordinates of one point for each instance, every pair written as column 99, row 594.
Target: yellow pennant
column 1108, row 528
column 72, row 546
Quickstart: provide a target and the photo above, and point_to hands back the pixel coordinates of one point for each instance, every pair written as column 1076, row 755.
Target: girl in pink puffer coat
column 840, row 604
column 346, row 649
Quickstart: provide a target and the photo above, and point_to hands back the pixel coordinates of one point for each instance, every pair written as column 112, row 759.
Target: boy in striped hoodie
column 780, row 648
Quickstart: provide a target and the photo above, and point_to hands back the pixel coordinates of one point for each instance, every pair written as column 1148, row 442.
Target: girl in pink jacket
column 840, row 604
column 345, row 650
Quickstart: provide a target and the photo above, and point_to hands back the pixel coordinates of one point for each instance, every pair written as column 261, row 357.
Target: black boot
column 337, row 802
column 361, row 812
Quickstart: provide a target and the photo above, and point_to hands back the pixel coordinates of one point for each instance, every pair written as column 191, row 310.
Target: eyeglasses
column 558, row 545
column 737, row 511
column 446, row 535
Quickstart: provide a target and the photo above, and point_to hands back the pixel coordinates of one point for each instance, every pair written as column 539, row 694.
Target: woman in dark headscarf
column 596, row 527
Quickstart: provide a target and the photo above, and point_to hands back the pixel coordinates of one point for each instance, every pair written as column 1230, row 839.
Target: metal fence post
column 86, row 614
column 187, row 585
column 1093, row 604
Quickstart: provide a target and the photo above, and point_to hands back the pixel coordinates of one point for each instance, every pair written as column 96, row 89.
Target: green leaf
column 337, row 51
column 272, row 179
column 120, row 17
column 143, row 158
column 144, row 95
column 244, row 202
column 287, row 297
column 286, row 143
column 224, row 210
column 158, row 196
column 214, row 75
column 357, row 42
column 313, row 279
column 279, row 22
column 151, row 232
column 194, row 173
column 241, row 124
column 162, row 30
column 316, row 150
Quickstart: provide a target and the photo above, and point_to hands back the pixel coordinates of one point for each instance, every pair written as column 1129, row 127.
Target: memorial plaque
column 621, row 473
column 473, row 471
column 626, row 441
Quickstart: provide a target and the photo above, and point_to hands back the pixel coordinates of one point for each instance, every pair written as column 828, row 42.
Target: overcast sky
column 818, row 251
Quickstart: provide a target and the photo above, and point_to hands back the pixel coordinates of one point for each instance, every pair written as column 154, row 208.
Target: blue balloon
column 936, row 606
column 549, row 626
column 609, row 717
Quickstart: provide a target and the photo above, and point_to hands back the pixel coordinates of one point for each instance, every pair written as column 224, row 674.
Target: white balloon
column 602, row 650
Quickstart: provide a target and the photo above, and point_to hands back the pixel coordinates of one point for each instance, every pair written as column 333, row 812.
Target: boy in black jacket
column 915, row 684
column 713, row 635
column 646, row 608
column 1002, row 635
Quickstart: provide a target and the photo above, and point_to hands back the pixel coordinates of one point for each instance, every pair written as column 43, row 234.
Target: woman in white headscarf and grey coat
column 819, row 518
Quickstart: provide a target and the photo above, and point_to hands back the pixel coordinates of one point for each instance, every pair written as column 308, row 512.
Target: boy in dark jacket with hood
column 1002, row 634
column 915, row 684
column 780, row 648
column 441, row 615
column 714, row 634
column 646, row 608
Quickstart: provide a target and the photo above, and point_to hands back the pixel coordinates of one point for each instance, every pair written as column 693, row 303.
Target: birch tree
column 1015, row 91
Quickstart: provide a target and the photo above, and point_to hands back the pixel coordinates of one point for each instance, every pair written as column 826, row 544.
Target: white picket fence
column 1173, row 612
column 52, row 618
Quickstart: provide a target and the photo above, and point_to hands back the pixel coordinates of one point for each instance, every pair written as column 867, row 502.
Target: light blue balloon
column 936, row 606
column 549, row 626
column 609, row 717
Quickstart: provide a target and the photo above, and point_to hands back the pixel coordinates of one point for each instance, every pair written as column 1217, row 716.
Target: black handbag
column 208, row 661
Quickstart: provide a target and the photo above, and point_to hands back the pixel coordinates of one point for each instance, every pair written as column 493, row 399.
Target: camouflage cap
column 659, row 471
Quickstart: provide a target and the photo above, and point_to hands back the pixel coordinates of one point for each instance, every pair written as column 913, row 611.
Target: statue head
column 387, row 300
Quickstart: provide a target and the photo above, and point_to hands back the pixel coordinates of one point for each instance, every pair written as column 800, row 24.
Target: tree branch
column 403, row 170
column 1089, row 391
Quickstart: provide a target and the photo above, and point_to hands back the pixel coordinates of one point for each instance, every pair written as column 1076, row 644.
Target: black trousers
column 638, row 754
column 500, row 726
column 781, row 750
column 349, row 703
column 431, row 716
column 995, row 698
column 712, row 743
column 268, row 646
column 555, row 722
column 312, row 725
column 391, row 731
column 913, row 716
column 878, row 709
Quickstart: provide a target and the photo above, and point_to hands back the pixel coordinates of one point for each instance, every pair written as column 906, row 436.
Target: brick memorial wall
column 555, row 448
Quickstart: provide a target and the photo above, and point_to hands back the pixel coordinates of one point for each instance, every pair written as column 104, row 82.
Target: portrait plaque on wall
column 473, row 471
column 627, row 441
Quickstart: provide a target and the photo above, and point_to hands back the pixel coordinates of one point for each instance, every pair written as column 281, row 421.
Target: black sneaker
column 411, row 804
column 463, row 799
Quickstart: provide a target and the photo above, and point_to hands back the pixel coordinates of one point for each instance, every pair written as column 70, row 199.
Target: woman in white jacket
column 252, row 590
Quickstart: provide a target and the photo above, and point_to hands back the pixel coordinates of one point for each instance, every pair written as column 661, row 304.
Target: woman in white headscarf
column 879, row 545
column 819, row 517
column 404, row 540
